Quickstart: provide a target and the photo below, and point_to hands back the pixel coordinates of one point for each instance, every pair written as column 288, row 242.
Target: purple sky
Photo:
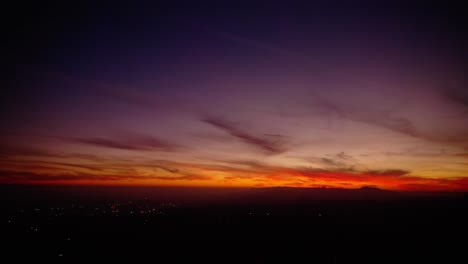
column 200, row 94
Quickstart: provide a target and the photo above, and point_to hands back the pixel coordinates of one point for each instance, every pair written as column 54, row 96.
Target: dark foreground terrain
column 286, row 225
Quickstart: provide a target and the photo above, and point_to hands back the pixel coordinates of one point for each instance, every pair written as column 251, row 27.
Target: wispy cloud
column 73, row 165
column 417, row 153
column 271, row 145
column 254, row 174
column 344, row 156
column 186, row 177
column 458, row 96
column 381, row 118
column 145, row 143
column 340, row 161
column 26, row 176
column 332, row 162
column 388, row 172
column 166, row 168
column 253, row 43
column 375, row 117
column 8, row 176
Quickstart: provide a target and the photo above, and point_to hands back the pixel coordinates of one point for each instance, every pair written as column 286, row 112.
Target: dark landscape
column 271, row 224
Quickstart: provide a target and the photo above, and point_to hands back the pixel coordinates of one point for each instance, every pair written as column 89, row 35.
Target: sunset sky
column 237, row 95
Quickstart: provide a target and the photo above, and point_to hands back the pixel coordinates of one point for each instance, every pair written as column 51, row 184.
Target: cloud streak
column 388, row 172
column 253, row 43
column 142, row 143
column 235, row 173
column 458, row 96
column 26, row 177
column 382, row 118
column 268, row 144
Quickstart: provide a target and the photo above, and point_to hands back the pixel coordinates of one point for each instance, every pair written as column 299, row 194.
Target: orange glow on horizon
column 212, row 176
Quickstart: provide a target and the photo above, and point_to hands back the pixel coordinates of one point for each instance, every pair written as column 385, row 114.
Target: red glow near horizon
column 212, row 176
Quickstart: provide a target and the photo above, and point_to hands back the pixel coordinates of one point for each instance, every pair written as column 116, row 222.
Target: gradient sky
column 256, row 94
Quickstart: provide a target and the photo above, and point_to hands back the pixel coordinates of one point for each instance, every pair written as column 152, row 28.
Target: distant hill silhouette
column 209, row 195
column 292, row 194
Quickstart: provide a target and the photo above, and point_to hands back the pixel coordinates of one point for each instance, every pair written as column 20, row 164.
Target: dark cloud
column 82, row 166
column 381, row 118
column 344, row 156
column 417, row 153
column 53, row 165
column 376, row 117
column 24, row 176
column 146, row 143
column 168, row 169
column 332, row 162
column 86, row 157
column 339, row 161
column 7, row 176
column 347, row 174
column 388, row 172
column 267, row 144
column 457, row 96
column 189, row 177
column 248, row 163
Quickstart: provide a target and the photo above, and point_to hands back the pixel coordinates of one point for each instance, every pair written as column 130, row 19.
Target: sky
column 236, row 94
